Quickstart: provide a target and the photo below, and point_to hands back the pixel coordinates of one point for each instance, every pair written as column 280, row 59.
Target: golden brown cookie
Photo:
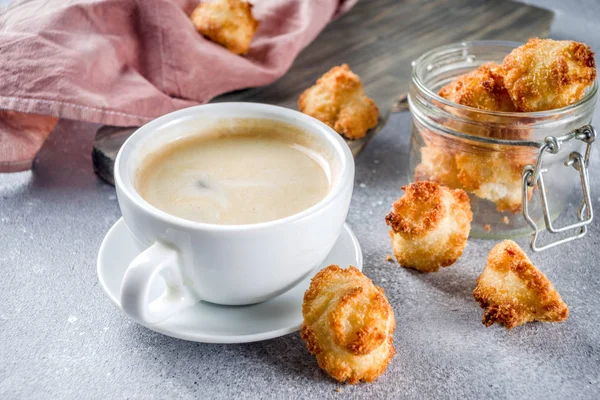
column 481, row 88
column 438, row 165
column 512, row 291
column 494, row 176
column 545, row 74
column 227, row 22
column 338, row 100
column 348, row 325
column 430, row 226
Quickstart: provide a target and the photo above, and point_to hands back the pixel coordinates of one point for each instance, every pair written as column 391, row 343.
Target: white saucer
column 211, row 323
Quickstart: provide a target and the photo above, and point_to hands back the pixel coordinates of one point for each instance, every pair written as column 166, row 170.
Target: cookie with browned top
column 338, row 100
column 482, row 88
column 348, row 325
column 438, row 164
column 494, row 175
column 545, row 74
column 512, row 291
column 430, row 226
column 229, row 23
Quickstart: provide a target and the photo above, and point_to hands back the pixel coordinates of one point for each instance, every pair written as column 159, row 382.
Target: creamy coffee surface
column 246, row 174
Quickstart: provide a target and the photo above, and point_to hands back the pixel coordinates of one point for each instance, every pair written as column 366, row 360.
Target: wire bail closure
column 534, row 175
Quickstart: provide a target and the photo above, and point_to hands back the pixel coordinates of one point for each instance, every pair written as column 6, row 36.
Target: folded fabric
column 125, row 62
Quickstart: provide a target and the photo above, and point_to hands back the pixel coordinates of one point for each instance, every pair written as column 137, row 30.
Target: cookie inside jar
column 473, row 130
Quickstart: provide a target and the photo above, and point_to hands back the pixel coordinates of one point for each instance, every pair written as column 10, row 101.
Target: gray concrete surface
column 60, row 337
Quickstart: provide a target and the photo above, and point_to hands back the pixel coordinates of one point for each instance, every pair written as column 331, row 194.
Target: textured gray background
column 60, row 337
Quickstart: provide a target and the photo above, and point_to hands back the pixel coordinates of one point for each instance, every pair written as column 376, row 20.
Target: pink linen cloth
column 125, row 62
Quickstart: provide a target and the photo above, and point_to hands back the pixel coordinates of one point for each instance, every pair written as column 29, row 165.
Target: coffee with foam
column 246, row 172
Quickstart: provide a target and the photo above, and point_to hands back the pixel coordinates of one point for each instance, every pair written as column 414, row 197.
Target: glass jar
column 503, row 160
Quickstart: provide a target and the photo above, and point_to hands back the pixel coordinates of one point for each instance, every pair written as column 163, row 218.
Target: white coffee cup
column 224, row 264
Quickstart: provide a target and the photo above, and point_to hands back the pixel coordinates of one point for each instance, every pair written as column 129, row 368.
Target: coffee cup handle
column 159, row 261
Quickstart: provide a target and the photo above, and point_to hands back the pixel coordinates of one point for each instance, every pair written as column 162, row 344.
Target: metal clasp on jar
column 534, row 175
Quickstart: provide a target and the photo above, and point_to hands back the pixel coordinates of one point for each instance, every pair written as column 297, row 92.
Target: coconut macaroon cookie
column 430, row 226
column 339, row 100
column 546, row 74
column 481, row 88
column 229, row 23
column 438, row 164
column 512, row 291
column 495, row 176
column 348, row 325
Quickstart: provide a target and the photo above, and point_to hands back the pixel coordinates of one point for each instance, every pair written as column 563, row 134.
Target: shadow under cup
column 227, row 264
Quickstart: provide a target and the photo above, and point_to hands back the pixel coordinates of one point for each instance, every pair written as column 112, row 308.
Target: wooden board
column 378, row 39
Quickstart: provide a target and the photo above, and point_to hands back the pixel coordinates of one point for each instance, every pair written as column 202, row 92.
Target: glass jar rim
column 435, row 52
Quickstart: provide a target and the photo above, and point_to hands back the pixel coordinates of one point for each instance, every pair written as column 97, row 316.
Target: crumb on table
column 487, row 227
column 339, row 390
column 389, row 258
column 506, row 220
